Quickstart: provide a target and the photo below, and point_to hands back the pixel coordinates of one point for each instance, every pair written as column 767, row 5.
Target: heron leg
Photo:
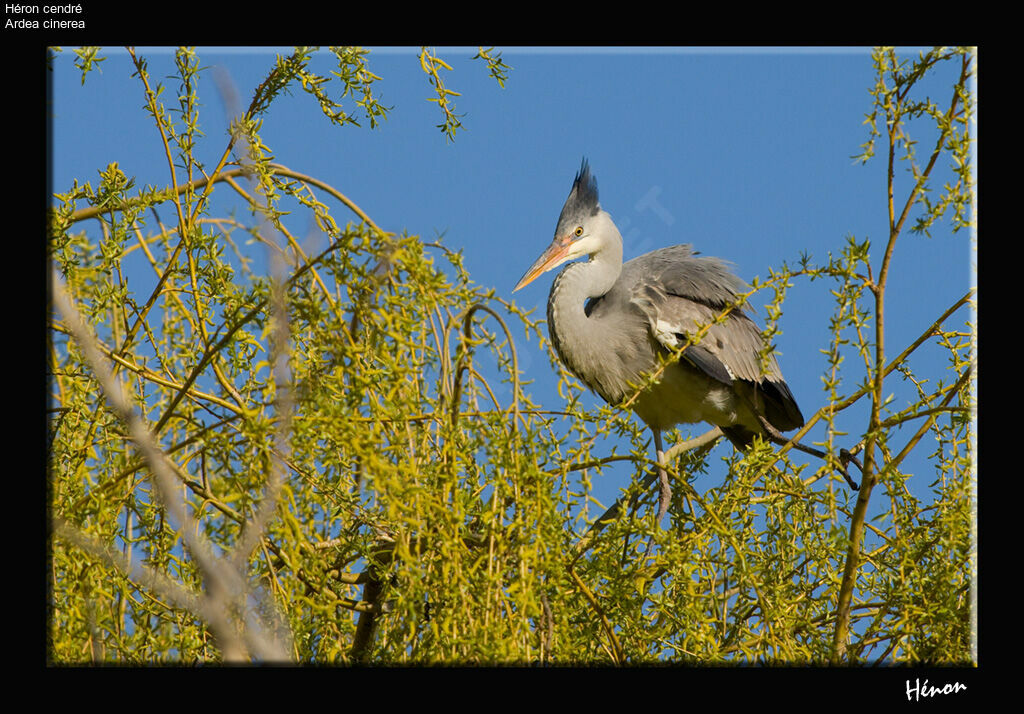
column 844, row 456
column 665, row 489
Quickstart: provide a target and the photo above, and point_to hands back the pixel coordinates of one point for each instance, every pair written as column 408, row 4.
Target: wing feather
column 680, row 292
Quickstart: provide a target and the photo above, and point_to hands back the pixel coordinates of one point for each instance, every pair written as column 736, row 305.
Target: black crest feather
column 582, row 201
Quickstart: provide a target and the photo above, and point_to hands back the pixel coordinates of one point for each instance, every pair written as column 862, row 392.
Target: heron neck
column 574, row 334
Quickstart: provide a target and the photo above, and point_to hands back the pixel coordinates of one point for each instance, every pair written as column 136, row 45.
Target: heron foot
column 846, row 457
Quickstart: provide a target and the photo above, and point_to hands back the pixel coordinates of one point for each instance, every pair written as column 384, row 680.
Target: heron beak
column 556, row 254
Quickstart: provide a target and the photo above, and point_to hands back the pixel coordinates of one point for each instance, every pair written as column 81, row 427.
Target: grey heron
column 613, row 323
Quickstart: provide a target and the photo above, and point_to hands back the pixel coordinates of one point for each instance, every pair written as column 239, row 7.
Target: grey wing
column 680, row 293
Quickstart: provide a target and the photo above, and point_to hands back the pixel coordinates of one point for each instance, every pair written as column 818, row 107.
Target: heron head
column 578, row 232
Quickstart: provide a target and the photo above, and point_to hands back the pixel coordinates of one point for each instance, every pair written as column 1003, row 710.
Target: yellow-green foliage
column 352, row 485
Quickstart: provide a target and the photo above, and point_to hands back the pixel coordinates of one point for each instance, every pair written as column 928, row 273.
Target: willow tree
column 311, row 462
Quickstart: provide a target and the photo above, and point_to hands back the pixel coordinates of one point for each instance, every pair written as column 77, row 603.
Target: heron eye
column 579, row 231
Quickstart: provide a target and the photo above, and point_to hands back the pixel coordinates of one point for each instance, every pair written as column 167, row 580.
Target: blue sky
column 744, row 153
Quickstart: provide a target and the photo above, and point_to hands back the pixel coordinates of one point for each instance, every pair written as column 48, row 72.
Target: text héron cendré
column 53, row 17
